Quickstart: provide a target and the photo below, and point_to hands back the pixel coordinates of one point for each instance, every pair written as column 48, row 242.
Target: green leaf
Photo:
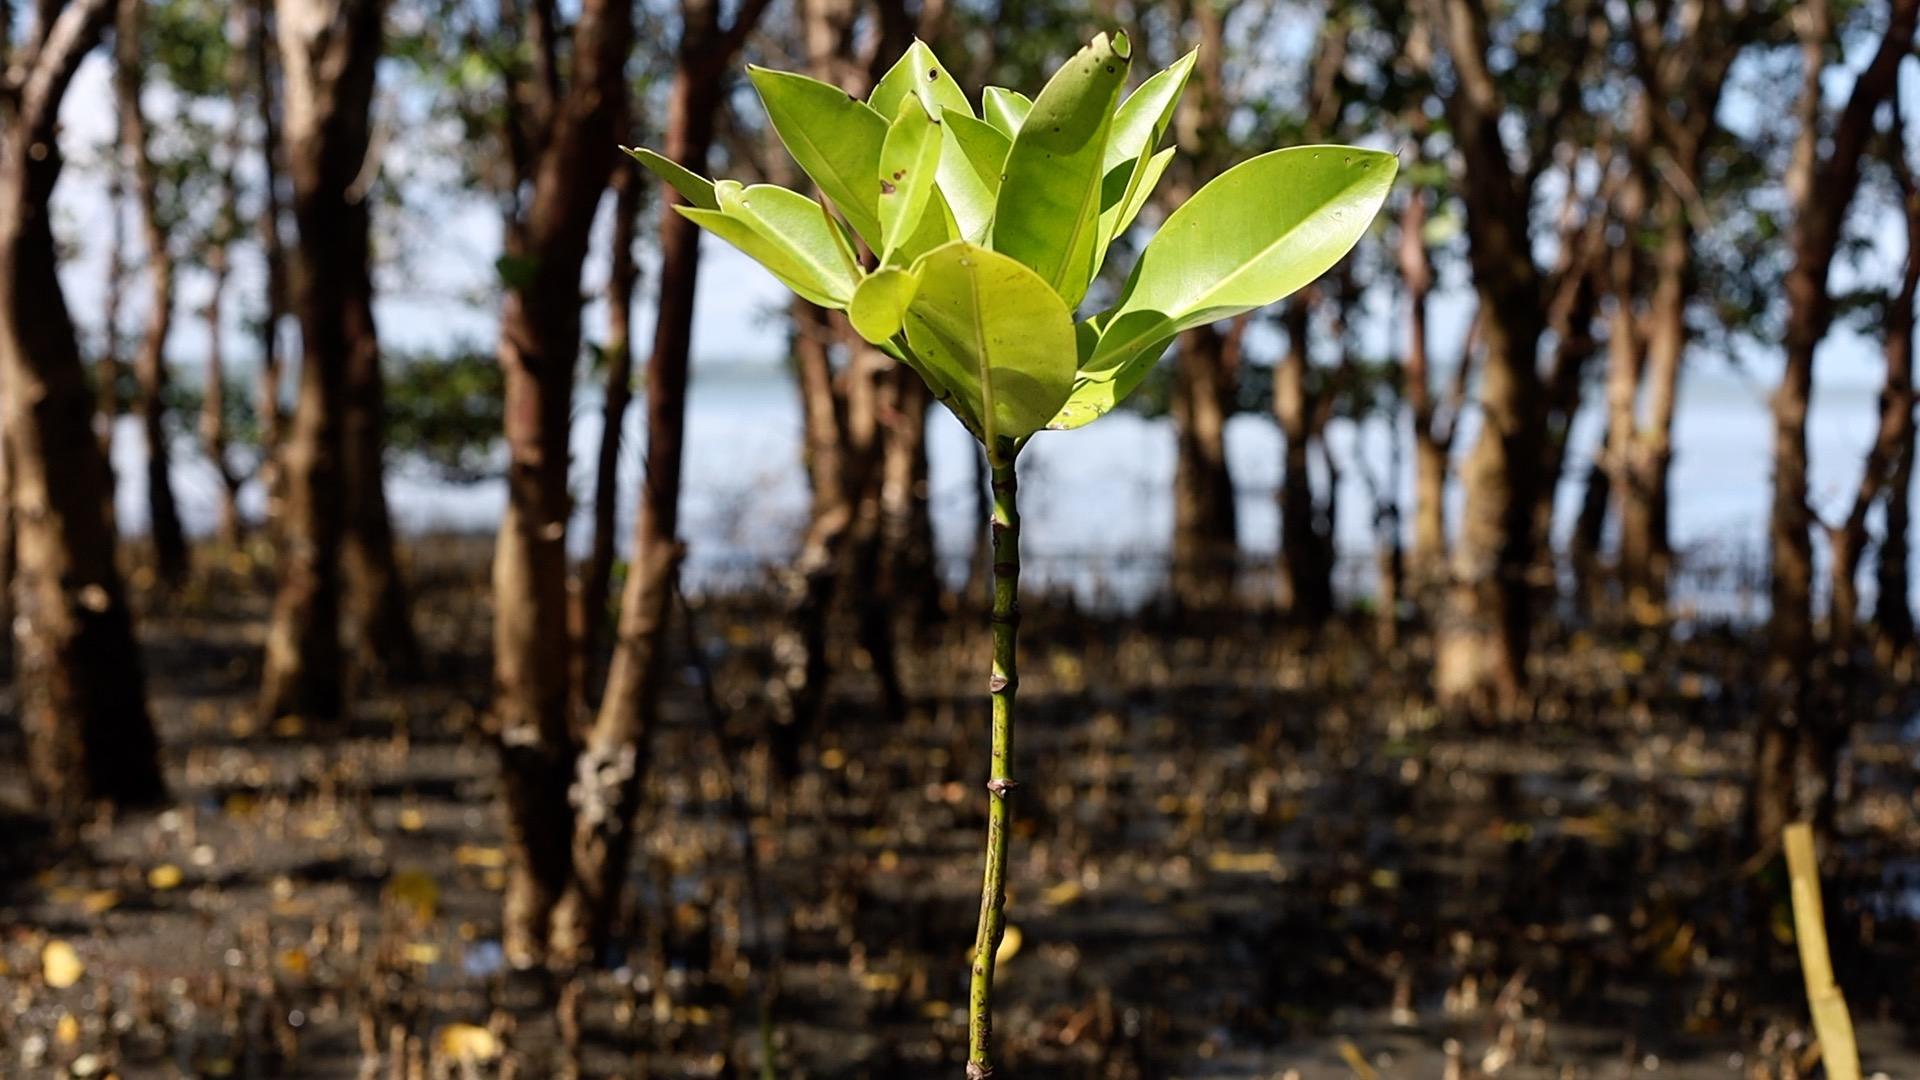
column 1005, row 109
column 1048, row 211
column 1149, row 179
column 1253, row 235
column 786, row 232
column 918, row 72
column 835, row 137
column 696, row 189
column 995, row 334
column 909, row 160
column 1138, row 126
column 1096, row 395
column 971, row 156
column 880, row 304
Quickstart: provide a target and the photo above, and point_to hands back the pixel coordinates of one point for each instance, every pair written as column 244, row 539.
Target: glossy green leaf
column 880, row 304
column 1253, row 235
column 696, row 189
column 972, row 154
column 918, row 72
column 1005, row 109
column 909, row 160
column 836, row 139
column 995, row 334
column 786, row 232
column 937, row 226
column 1048, row 211
column 1138, row 126
column 1149, row 179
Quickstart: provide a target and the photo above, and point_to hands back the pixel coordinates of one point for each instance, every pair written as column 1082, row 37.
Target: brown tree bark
column 81, row 687
column 226, row 228
column 1893, row 623
column 377, row 602
column 623, row 277
column 8, row 549
column 273, row 253
column 1893, row 441
column 612, row 765
column 1205, row 549
column 561, row 136
column 911, row 572
column 1483, row 639
column 1820, row 187
column 150, row 361
column 328, row 52
column 1306, row 532
column 1433, row 419
column 1681, row 59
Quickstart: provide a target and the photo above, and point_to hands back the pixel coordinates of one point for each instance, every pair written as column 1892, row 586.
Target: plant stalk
column 1001, row 685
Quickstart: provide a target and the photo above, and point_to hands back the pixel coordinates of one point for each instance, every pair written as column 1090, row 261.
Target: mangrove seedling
column 962, row 243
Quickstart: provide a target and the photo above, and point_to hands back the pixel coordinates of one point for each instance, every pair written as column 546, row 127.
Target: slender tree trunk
column 1306, row 550
column 1205, row 545
column 1484, row 638
column 912, row 572
column 150, row 362
column 561, row 133
column 613, row 762
column 107, row 368
column 1893, row 609
column 1820, row 188
column 328, row 52
column 1590, row 590
column 273, row 253
column 1431, row 444
column 1646, row 551
column 81, row 687
column 800, row 651
column 7, row 548
column 623, row 277
column 226, row 226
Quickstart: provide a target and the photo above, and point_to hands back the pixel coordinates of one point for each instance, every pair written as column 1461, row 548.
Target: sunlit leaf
column 1048, row 210
column 909, row 160
column 879, row 305
column 1005, row 109
column 834, row 137
column 696, row 189
column 971, row 156
column 996, row 334
column 918, row 72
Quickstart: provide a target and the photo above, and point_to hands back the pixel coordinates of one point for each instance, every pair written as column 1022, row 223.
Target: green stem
column 1001, row 685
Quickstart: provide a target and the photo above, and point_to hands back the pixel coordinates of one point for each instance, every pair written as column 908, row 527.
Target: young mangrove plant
column 962, row 243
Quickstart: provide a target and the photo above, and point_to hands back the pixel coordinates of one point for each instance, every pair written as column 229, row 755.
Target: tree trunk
column 564, row 153
column 378, row 602
column 226, row 226
column 150, row 362
column 7, row 549
column 613, row 762
column 273, row 253
column 1484, row 636
column 1483, row 639
column 623, row 277
column 328, row 51
column 1583, row 548
column 561, row 134
column 1646, row 552
column 1205, row 546
column 1893, row 609
column 911, row 577
column 1431, row 443
column 612, row 768
column 82, row 693
column 1820, row 188
column 1306, row 547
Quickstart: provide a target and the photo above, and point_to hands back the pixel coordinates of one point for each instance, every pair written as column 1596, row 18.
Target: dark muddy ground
column 1240, row 852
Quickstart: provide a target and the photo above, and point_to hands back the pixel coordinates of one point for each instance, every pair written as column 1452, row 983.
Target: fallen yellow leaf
column 466, row 1042
column 60, row 965
column 163, row 877
column 1010, row 942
